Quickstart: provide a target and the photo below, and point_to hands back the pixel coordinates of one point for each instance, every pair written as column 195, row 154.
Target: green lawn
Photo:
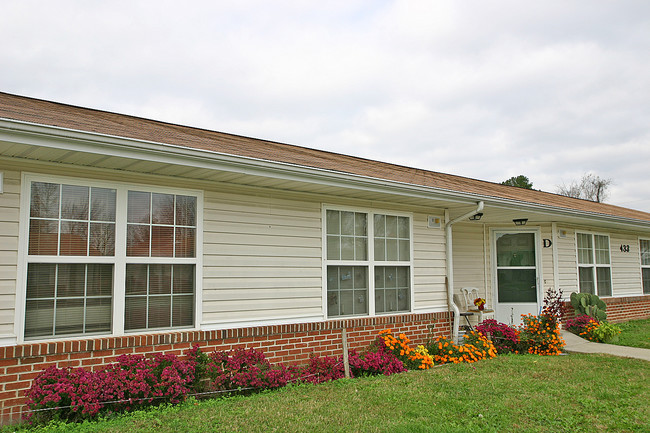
column 636, row 333
column 572, row 393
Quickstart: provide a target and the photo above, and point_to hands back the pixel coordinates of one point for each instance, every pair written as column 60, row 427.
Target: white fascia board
column 81, row 141
column 14, row 131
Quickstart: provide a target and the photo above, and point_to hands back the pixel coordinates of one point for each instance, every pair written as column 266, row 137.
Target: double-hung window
column 368, row 263
column 594, row 264
column 645, row 264
column 105, row 258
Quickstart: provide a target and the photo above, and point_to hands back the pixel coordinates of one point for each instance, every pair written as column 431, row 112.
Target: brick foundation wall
column 19, row 365
column 621, row 309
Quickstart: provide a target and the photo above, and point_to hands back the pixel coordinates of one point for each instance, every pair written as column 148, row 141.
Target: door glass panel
column 517, row 249
column 517, row 285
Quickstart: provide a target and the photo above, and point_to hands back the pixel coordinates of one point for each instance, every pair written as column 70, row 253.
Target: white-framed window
column 108, row 258
column 368, row 263
column 594, row 264
column 644, row 246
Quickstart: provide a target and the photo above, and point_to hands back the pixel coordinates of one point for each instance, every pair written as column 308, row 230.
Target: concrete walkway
column 576, row 344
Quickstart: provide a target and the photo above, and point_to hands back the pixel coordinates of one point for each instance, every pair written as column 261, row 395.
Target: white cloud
column 481, row 89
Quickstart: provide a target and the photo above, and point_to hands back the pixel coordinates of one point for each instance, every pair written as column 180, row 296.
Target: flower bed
column 73, row 394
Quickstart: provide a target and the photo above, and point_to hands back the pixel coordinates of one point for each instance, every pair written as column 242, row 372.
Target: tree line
column 589, row 187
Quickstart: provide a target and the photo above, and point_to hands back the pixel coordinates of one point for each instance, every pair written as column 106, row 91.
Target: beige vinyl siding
column 261, row 258
column 567, row 261
column 469, row 259
column 626, row 267
column 429, row 262
column 546, row 273
column 9, row 217
column 626, row 271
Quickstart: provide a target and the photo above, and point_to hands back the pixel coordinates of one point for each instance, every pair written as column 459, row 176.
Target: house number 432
column 625, row 248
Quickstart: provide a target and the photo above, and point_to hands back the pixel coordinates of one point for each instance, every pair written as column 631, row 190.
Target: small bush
column 399, row 346
column 74, row 394
column 244, row 369
column 66, row 394
column 589, row 328
column 322, row 369
column 553, row 307
column 475, row 348
column 578, row 324
column 374, row 363
column 540, row 335
column 504, row 337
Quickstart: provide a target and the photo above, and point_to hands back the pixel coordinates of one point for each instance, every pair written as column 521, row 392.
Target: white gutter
column 450, row 268
column 109, row 145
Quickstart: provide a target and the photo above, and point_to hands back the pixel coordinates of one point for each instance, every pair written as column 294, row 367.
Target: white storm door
column 516, row 278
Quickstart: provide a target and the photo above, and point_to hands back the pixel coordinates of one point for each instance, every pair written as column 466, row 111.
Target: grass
column 636, row 333
column 573, row 393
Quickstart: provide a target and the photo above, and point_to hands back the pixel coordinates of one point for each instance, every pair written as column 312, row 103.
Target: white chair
column 469, row 294
column 463, row 307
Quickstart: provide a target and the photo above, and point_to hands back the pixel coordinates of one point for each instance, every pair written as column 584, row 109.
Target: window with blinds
column 368, row 264
column 644, row 245
column 74, row 256
column 594, row 265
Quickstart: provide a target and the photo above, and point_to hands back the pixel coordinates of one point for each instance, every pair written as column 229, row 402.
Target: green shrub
column 606, row 332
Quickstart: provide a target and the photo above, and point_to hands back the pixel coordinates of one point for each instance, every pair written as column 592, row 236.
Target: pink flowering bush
column 134, row 381
column 381, row 361
column 73, row 394
column 243, row 369
column 504, row 337
column 321, row 369
column 75, row 391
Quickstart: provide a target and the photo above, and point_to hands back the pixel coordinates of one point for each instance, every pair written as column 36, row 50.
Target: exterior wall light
column 520, row 221
column 476, row 217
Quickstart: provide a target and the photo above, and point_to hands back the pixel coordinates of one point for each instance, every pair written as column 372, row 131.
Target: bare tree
column 589, row 187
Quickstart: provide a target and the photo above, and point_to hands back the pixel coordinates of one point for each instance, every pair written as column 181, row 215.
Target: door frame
column 494, row 231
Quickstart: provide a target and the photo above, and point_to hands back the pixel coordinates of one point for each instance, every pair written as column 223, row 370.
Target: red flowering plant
column 244, row 369
column 372, row 363
column 480, row 303
column 66, row 394
column 504, row 337
column 73, row 394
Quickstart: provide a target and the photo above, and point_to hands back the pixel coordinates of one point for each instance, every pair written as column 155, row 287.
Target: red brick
column 29, row 376
column 7, row 395
column 32, row 360
column 163, row 348
column 54, row 358
column 18, row 385
column 91, row 361
column 19, row 369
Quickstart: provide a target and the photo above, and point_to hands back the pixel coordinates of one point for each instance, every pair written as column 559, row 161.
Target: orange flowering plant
column 479, row 302
column 541, row 335
column 399, row 346
column 475, row 348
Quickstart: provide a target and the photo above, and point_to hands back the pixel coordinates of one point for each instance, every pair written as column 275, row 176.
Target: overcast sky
column 483, row 89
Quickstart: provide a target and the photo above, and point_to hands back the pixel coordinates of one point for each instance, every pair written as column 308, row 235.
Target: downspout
column 450, row 268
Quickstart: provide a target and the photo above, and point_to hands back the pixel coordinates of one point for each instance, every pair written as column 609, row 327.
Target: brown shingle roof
column 84, row 119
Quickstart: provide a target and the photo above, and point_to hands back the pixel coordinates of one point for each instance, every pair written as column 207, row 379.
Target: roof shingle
column 71, row 117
